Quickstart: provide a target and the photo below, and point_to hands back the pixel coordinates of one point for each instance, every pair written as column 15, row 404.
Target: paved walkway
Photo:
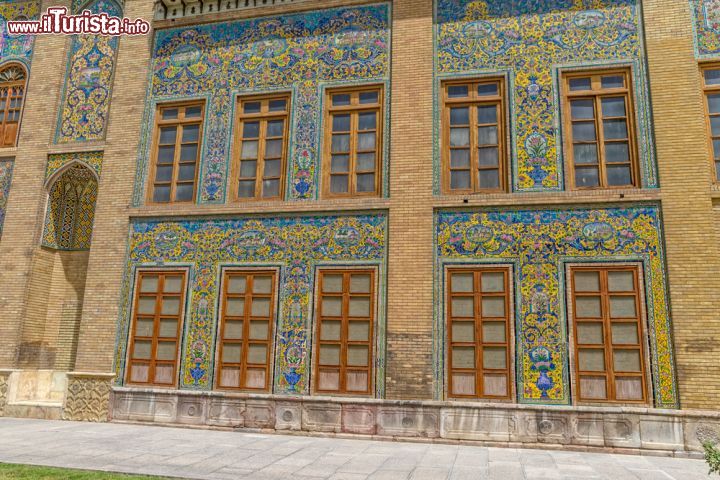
column 210, row 454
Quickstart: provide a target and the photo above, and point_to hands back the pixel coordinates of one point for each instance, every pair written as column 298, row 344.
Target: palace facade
column 479, row 220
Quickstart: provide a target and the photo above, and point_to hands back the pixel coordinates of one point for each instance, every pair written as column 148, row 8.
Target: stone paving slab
column 221, row 455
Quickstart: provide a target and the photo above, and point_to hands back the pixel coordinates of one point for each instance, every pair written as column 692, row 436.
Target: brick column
column 685, row 176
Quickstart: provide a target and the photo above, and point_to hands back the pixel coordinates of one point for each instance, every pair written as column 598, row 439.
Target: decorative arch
column 13, row 83
column 71, row 208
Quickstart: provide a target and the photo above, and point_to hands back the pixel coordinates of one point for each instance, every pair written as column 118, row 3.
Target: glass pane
column 590, row 333
column 461, row 282
column 248, row 168
column 463, row 307
column 714, row 103
column 341, row 123
column 252, row 107
column 495, row 385
column 340, row 163
column 168, row 327
column 341, row 99
column 580, row 84
column 260, row 307
column 332, row 306
column 459, row 179
column 593, row 388
column 487, row 114
column 587, row 281
column 142, row 349
column 356, row 381
column 586, row 177
column 359, row 283
column 161, row 194
column 712, row 77
column 621, row 281
column 365, row 162
column 332, row 283
column 487, row 89
column 625, row 334
column 236, row 284
column 166, row 351
column 617, row 152
column 463, row 383
column 494, row 332
column 255, row 378
column 257, row 353
column 262, row 284
column 188, row 152
column 493, row 282
column 619, row 175
column 359, row 307
column 273, row 148
column 582, row 109
column 592, row 360
column 184, row 192
column 463, row 331
column 139, row 373
column 249, row 149
column 487, row 135
column 277, row 105
column 489, row 179
column 259, row 330
column 169, row 113
column 460, row 158
column 613, row 107
column 359, row 331
column 585, row 153
column 339, row 184
column 494, row 357
column 146, row 306
column 187, row 172
column 357, row 356
column 587, row 307
column 170, row 306
column 166, row 154
column 232, row 353
column 330, row 330
column 463, row 357
column 628, row 388
column 191, row 133
column 459, row 137
column 149, row 284
column 193, row 112
column 613, row 81
column 460, row 116
column 622, row 307
column 330, row 354
column 168, row 135
column 144, row 327
column 271, row 168
column 235, row 307
column 626, row 360
column 341, row 143
column 328, row 380
column 715, row 126
column 615, row 129
column 233, row 330
column 367, row 121
column 230, row 377
column 583, row 131
column 366, row 141
column 368, row 97
column 251, row 130
column 493, row 306
column 366, row 182
column 275, row 128
column 456, row 91
column 246, row 189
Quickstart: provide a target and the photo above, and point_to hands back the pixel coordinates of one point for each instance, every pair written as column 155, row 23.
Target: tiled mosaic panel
column 529, row 40
column 59, row 161
column 295, row 243
column 539, row 243
column 16, row 47
column 6, row 168
column 301, row 52
column 88, row 83
column 706, row 17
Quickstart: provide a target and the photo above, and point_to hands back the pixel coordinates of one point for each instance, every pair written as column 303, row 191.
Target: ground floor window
column 609, row 363
column 156, row 326
column 344, row 332
column 246, row 329
column 479, row 333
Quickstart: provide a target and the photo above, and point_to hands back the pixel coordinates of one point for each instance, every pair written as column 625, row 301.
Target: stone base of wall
column 630, row 430
column 87, row 397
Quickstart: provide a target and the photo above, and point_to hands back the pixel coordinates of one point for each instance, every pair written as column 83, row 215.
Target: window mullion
column 600, row 136
column 474, row 160
column 260, row 166
column 354, row 118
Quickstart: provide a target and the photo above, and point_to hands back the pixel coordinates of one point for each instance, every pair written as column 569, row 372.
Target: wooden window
column 246, row 330
column 262, row 148
column 479, row 333
column 599, row 129
column 474, row 139
column 608, row 335
column 12, row 92
column 156, row 326
column 178, row 137
column 711, row 85
column 353, row 142
column 345, row 313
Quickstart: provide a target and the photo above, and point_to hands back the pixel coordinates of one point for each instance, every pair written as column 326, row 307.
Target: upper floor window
column 262, row 147
column 474, row 141
column 176, row 152
column 711, row 85
column 599, row 129
column 12, row 93
column 353, row 142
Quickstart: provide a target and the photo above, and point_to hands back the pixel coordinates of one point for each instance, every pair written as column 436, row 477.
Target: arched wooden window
column 12, row 93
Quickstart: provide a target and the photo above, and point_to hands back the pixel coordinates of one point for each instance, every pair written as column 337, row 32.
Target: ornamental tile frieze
column 6, row 168
column 706, row 25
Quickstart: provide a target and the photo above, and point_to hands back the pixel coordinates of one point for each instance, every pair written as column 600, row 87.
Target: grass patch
column 9, row 471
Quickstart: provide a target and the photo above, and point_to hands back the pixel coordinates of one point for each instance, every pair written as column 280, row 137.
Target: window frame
column 344, row 341
column 179, row 122
column 478, row 320
column 708, row 90
column 608, row 346
column 263, row 116
column 597, row 94
column 179, row 340
column 247, row 318
column 474, row 100
column 353, row 110
column 22, row 84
